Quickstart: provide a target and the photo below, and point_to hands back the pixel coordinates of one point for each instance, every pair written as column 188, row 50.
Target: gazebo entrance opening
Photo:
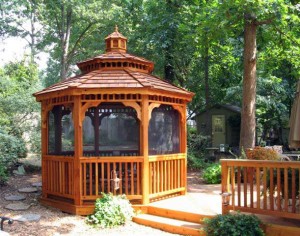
column 114, row 128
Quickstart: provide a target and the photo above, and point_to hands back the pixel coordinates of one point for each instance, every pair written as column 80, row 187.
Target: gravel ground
column 54, row 222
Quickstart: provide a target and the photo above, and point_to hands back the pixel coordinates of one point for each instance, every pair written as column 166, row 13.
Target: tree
column 71, row 26
column 20, row 19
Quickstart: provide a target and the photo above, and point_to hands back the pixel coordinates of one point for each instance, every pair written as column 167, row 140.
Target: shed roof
column 229, row 107
column 115, row 69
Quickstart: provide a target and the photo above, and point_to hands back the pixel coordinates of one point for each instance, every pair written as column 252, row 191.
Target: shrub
column 262, row 153
column 197, row 145
column 234, row 225
column 212, row 174
column 11, row 150
column 111, row 211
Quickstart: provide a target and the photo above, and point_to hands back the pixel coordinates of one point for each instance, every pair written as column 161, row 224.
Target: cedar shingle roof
column 115, row 69
column 100, row 79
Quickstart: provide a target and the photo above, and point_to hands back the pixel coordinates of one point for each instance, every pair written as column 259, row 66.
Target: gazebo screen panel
column 60, row 131
column 114, row 133
column 163, row 131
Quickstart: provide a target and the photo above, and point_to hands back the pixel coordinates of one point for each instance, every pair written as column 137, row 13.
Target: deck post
column 225, row 186
column 183, row 128
column 145, row 151
column 77, row 149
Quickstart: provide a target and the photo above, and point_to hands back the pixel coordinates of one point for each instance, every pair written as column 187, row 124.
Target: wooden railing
column 167, row 174
column 118, row 175
column 262, row 187
column 59, row 171
column 97, row 176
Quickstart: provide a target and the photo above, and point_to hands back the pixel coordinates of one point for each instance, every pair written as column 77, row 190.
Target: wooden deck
column 184, row 214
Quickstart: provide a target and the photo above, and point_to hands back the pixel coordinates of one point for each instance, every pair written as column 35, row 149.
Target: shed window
column 164, row 131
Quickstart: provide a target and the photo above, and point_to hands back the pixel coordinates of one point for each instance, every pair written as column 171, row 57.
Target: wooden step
column 170, row 225
column 175, row 214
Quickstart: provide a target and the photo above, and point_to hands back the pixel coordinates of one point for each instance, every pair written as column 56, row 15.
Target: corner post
column 44, row 147
column 145, row 151
column 77, row 150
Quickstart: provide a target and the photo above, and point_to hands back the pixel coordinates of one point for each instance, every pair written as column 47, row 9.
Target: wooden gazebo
column 114, row 128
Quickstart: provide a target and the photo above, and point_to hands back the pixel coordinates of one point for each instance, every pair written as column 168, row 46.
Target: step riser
column 169, row 228
column 178, row 215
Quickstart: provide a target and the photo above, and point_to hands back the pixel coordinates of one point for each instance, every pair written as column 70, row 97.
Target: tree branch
column 72, row 51
column 265, row 22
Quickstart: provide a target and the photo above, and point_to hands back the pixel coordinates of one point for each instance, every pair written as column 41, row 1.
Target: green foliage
column 111, row 211
column 197, row 145
column 19, row 112
column 233, row 225
column 11, row 149
column 212, row 174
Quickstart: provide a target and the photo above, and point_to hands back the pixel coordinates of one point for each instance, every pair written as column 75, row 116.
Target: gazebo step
column 170, row 225
column 175, row 214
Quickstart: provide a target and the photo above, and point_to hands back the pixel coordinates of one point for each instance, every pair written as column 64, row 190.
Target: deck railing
column 167, row 174
column 262, row 187
column 60, row 172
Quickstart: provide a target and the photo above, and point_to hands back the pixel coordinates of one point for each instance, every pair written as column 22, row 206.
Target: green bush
column 111, row 211
column 212, row 174
column 11, row 150
column 197, row 145
column 233, row 225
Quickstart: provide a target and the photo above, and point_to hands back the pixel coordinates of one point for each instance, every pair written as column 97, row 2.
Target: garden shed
column 113, row 128
column 222, row 123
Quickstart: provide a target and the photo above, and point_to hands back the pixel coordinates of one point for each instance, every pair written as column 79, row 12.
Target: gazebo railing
column 118, row 175
column 97, row 175
column 262, row 187
column 167, row 174
column 59, row 180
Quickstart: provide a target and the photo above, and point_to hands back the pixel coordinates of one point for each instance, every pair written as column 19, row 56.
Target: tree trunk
column 248, row 124
column 65, row 40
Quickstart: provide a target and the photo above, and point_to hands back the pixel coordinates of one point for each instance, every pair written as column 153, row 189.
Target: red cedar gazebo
column 114, row 128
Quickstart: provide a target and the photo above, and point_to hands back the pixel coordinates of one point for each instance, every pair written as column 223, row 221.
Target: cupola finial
column 116, row 28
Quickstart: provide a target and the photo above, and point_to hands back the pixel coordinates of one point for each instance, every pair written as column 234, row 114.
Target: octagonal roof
column 115, row 69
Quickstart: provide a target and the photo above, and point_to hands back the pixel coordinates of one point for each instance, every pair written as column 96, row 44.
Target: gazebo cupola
column 113, row 128
column 116, row 42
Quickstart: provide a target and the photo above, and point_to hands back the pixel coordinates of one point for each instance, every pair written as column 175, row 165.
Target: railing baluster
column 126, row 178
column 265, row 187
column 251, row 182
column 96, row 179
column 278, row 189
column 172, row 175
column 91, row 178
column 132, row 178
column 258, row 187
column 245, row 186
column 286, row 193
column 293, row 191
column 271, row 191
column 232, row 185
column 102, row 177
column 239, row 185
column 138, row 179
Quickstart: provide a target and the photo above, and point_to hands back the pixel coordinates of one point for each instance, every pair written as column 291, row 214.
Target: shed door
column 218, row 130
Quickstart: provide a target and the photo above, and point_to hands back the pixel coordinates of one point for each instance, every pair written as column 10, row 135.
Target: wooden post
column 225, row 186
column 77, row 150
column 145, row 151
column 183, row 142
column 44, row 137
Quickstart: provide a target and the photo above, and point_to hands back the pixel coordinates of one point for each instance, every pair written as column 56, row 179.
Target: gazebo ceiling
column 115, row 69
